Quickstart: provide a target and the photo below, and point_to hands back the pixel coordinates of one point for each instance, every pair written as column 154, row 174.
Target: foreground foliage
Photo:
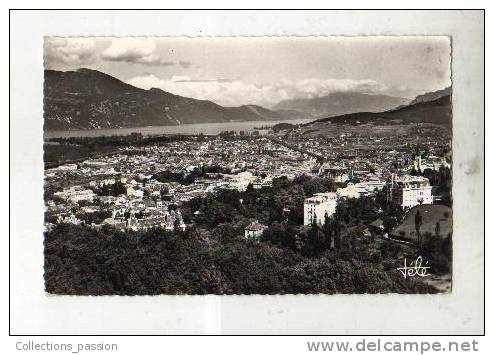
column 83, row 261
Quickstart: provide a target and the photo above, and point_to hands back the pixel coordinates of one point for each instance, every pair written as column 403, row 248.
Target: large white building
column 317, row 206
column 351, row 190
column 409, row 191
column 364, row 188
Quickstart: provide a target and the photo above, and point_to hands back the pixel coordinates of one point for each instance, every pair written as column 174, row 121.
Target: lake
column 197, row 128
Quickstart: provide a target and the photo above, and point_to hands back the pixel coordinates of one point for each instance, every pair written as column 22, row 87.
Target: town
column 142, row 187
column 361, row 194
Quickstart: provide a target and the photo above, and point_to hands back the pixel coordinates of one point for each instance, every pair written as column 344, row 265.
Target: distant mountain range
column 434, row 107
column 89, row 99
column 341, row 103
column 431, row 96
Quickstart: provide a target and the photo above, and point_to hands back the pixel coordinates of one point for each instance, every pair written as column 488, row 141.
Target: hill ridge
column 90, row 99
column 340, row 103
column 436, row 111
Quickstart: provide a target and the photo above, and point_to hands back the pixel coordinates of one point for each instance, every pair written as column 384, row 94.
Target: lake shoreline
column 185, row 129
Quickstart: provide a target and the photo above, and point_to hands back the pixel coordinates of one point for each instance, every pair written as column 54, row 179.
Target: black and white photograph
column 248, row 165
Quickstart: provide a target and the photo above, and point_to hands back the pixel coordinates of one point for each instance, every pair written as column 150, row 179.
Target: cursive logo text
column 414, row 269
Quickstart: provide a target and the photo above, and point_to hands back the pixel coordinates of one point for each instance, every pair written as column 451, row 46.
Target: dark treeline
column 115, row 189
column 138, row 139
column 213, row 257
column 93, row 217
column 118, row 140
column 68, row 149
column 84, row 261
column 284, row 202
column 184, row 178
column 280, row 208
column 442, row 182
column 53, row 154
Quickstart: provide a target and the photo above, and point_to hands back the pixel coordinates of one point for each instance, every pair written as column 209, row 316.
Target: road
column 297, row 149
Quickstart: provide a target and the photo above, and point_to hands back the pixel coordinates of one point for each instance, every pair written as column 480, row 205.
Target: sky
column 233, row 71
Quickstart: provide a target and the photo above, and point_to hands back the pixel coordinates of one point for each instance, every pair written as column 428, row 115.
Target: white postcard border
column 35, row 312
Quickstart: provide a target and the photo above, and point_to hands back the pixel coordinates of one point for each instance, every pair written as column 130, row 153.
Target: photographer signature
column 414, row 269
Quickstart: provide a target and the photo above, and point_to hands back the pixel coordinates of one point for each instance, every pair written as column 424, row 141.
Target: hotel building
column 317, row 206
column 409, row 191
